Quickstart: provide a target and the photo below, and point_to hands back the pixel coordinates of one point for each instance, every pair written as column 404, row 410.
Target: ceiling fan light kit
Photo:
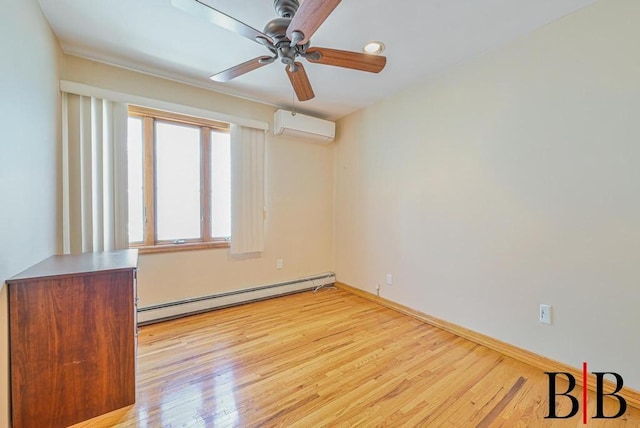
column 287, row 38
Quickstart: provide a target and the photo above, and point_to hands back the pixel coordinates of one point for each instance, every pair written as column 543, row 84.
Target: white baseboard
column 169, row 310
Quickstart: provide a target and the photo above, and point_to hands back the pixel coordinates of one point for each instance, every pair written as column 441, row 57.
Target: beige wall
column 299, row 195
column 29, row 103
column 511, row 181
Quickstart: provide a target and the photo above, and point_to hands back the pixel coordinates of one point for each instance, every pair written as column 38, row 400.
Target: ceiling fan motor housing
column 277, row 29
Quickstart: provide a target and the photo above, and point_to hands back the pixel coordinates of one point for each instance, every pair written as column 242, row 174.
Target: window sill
column 187, row 246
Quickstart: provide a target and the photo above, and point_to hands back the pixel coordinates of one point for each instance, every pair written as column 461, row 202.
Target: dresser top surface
column 66, row 265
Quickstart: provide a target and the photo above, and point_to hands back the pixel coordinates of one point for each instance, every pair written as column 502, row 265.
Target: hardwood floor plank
column 493, row 414
column 328, row 358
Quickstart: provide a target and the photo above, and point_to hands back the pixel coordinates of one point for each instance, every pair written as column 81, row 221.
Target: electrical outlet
column 378, row 289
column 545, row 314
column 389, row 279
column 279, row 264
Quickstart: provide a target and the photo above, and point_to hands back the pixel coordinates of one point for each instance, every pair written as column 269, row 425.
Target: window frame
column 150, row 244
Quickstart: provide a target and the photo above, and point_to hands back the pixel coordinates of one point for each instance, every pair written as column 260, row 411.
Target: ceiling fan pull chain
column 293, row 103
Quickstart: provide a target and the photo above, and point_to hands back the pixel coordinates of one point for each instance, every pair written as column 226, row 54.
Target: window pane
column 135, row 170
column 177, row 181
column 220, row 185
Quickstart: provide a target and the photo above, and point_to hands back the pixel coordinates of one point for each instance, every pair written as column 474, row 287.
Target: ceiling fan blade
column 348, row 59
column 308, row 18
column 201, row 9
column 300, row 82
column 240, row 69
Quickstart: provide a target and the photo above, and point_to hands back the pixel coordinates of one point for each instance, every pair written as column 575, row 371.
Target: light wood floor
column 329, row 359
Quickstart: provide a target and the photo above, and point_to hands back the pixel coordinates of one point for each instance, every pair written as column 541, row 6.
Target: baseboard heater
column 170, row 310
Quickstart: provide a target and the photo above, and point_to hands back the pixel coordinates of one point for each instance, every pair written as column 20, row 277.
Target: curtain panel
column 94, row 174
column 247, row 195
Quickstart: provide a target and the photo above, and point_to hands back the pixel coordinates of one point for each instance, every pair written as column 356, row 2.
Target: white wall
column 29, row 118
column 299, row 195
column 510, row 181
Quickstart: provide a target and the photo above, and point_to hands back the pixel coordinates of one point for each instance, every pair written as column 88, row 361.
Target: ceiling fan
column 287, row 38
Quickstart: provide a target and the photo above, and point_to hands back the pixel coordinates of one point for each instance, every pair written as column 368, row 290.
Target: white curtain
column 247, row 195
column 94, row 174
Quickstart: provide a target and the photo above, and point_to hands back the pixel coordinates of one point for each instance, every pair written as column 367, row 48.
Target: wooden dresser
column 72, row 338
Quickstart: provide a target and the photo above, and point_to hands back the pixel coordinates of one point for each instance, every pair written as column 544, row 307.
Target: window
column 179, row 181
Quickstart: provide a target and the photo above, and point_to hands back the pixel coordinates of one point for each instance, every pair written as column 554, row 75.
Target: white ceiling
column 423, row 37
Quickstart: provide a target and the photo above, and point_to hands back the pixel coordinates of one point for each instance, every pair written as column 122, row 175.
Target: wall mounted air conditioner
column 299, row 125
